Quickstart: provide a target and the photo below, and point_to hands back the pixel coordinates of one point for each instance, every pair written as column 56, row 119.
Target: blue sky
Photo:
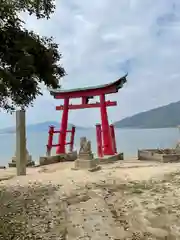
column 102, row 39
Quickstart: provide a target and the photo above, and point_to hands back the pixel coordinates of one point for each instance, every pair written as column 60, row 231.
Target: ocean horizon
column 128, row 141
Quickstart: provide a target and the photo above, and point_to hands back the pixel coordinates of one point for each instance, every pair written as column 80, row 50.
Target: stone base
column 110, row 159
column 58, row 158
column 29, row 164
column 86, row 156
column 49, row 160
column 85, row 164
column 29, row 159
column 153, row 155
column 72, row 156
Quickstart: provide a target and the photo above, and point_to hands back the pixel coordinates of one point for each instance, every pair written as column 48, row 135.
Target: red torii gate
column 85, row 94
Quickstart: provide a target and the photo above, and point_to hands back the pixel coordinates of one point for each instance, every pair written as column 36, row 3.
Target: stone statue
column 85, row 159
column 85, row 146
column 85, row 151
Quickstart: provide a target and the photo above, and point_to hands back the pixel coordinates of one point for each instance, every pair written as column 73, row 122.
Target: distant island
column 162, row 117
column 39, row 127
column 167, row 116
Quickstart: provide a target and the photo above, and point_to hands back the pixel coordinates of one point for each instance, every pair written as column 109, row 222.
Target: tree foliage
column 26, row 59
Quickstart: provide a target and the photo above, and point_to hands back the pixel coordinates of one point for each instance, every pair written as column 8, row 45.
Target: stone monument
column 85, row 151
column 85, row 158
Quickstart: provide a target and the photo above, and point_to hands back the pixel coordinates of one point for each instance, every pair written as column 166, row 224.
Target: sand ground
column 125, row 200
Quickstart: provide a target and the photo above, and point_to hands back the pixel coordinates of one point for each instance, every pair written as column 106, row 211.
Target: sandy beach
column 130, row 199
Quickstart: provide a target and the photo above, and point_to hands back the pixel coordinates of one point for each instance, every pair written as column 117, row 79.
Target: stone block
column 29, row 161
column 148, row 154
column 72, row 156
column 58, row 158
column 86, row 156
column 159, row 155
column 29, row 158
column 171, row 158
column 12, row 164
column 29, row 164
column 110, row 159
column 85, row 164
column 49, row 160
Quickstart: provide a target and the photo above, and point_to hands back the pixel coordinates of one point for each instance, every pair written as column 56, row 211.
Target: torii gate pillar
column 62, row 136
column 108, row 147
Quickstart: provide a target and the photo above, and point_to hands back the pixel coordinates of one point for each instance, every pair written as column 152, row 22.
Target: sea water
column 128, row 141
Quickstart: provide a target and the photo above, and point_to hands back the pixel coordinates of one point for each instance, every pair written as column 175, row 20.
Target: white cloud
column 102, row 39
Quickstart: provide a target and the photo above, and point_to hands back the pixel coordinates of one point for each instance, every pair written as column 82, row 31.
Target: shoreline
column 130, row 164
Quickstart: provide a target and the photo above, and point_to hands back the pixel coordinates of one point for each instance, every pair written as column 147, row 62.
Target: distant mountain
column 39, row 127
column 161, row 117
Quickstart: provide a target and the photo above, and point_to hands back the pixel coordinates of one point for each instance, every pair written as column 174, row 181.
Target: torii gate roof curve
column 109, row 88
